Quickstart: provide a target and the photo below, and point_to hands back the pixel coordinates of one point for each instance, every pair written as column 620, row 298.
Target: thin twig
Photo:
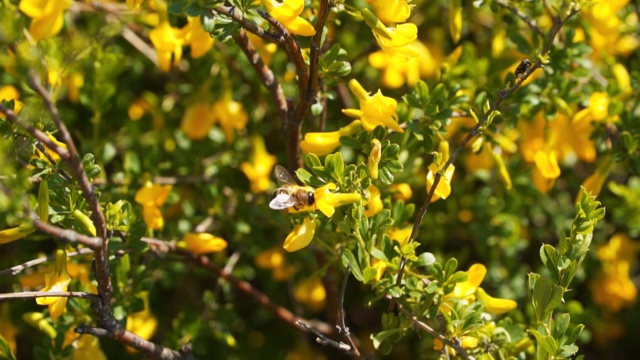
column 265, row 74
column 344, row 330
column 428, row 329
column 66, row 235
column 237, row 16
column 324, row 340
column 15, row 270
column 529, row 21
column 135, row 341
column 240, row 285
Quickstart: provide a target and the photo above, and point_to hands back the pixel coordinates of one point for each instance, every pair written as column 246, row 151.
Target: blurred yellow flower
column 265, row 51
column 399, row 47
column 593, row 184
column 606, row 36
column 8, row 93
column 274, row 259
column 16, row 233
column 151, row 196
column 168, row 42
column 287, row 13
column 374, row 110
column 57, row 281
column 197, row 120
column 230, row 115
column 612, row 288
column 50, row 154
column 401, row 191
column 374, row 202
column 400, row 235
column 195, row 36
column 142, row 323
column 202, row 243
column 258, row 171
column 391, row 11
column 396, row 73
column 7, row 330
column 311, row 292
column 300, row 236
column 380, row 267
column 323, row 143
column 88, row 347
column 47, row 17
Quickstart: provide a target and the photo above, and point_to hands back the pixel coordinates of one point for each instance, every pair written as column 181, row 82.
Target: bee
column 523, row 68
column 290, row 194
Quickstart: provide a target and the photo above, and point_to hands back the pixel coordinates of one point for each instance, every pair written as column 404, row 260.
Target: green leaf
column 546, row 342
column 385, row 176
column 379, row 254
column 380, row 337
column 348, row 141
column 347, row 258
column 425, row 259
column 546, row 297
column 304, row 176
column 312, row 160
column 560, row 325
column 5, row 350
column 177, row 7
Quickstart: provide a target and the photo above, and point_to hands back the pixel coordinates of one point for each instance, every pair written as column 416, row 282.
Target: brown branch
column 240, row 285
column 428, row 329
column 265, row 74
column 128, row 338
column 39, row 294
column 246, row 24
column 15, row 270
column 530, row 22
column 294, row 121
column 75, row 164
column 66, row 235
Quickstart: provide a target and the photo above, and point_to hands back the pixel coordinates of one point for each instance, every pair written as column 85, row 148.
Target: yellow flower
column 443, row 190
column 202, row 243
column 599, row 105
column 380, row 267
column 374, row 110
column 613, row 288
column 374, row 158
column 151, row 197
column 374, row 203
column 230, row 115
column 399, row 47
column 327, row 201
column 311, row 293
column 323, row 143
column 400, row 235
column 8, row 93
column 265, row 51
column 88, row 347
column 470, row 290
column 16, row 233
column 287, row 13
column 402, row 191
column 195, row 36
column 57, row 281
column 258, row 171
column 47, row 17
column 391, row 11
column 197, row 120
column 396, row 73
column 50, row 154
column 300, row 236
column 168, row 43
column 142, row 323
column 593, row 184
column 7, row 330
column 274, row 259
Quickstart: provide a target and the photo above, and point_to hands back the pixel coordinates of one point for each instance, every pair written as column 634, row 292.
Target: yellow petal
column 300, row 236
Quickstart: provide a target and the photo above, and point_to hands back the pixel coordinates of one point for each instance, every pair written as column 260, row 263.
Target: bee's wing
column 282, row 201
column 283, row 177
